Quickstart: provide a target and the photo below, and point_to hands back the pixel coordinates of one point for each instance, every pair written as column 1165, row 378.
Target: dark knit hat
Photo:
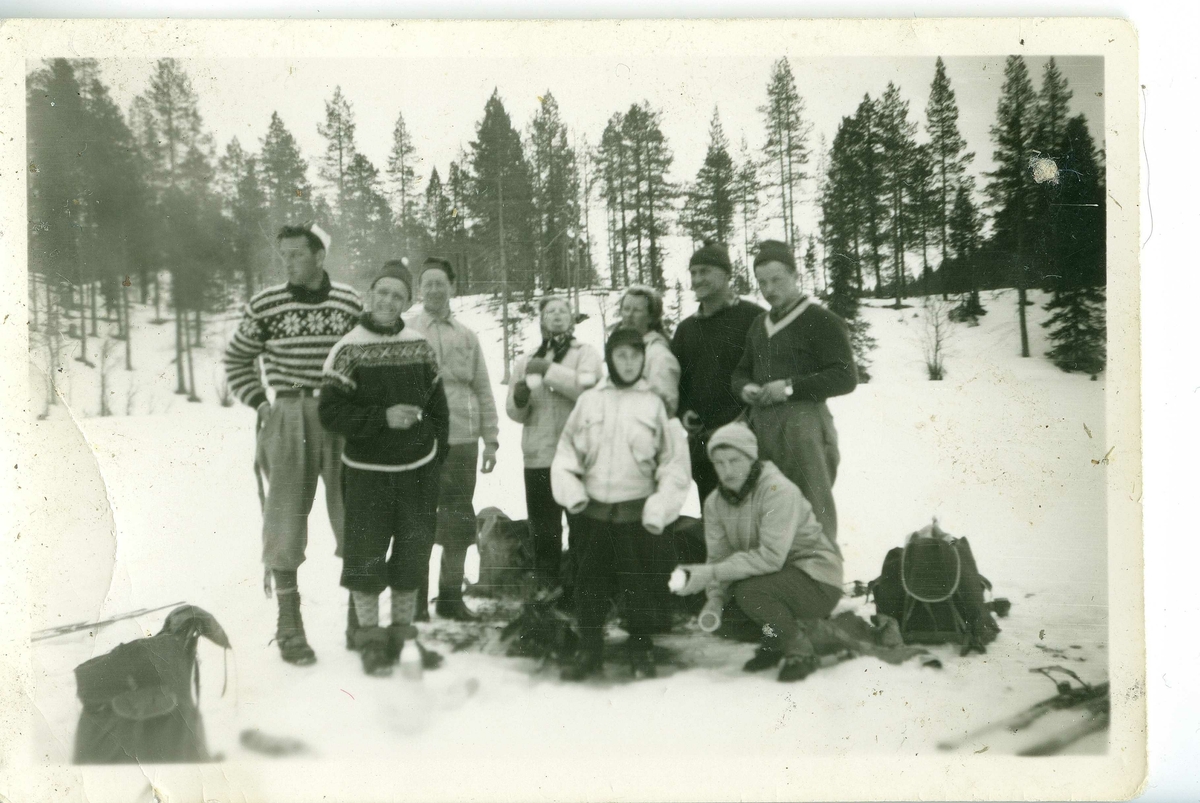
column 714, row 254
column 622, row 336
column 775, row 251
column 396, row 269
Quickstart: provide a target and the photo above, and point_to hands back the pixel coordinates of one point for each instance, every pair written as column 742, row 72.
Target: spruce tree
column 810, row 265
column 338, row 130
column 1010, row 190
column 865, row 143
column 653, row 195
column 403, row 182
column 899, row 149
column 366, row 221
column 960, row 273
column 1077, row 323
column 1050, row 128
column 245, row 207
column 711, row 198
column 437, row 214
column 746, row 188
column 612, row 155
column 948, row 155
column 289, row 195
column 555, row 177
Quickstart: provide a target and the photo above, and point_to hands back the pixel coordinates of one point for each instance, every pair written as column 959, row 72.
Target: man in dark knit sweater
column 709, row 346
column 291, row 328
column 797, row 356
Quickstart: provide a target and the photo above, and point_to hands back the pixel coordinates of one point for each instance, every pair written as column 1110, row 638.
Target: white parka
column 551, row 403
column 619, row 446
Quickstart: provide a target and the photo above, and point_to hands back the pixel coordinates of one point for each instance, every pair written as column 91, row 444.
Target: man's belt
column 288, row 393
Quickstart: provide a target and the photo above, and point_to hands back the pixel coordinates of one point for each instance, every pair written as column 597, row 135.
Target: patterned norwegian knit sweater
column 293, row 329
column 367, row 372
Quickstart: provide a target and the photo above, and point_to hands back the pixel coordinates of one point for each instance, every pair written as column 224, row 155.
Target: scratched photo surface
column 961, row 221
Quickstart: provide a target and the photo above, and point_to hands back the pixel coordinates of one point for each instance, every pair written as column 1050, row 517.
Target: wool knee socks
column 404, row 606
column 366, row 606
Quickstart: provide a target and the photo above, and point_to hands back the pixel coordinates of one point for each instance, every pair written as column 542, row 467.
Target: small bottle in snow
column 410, row 660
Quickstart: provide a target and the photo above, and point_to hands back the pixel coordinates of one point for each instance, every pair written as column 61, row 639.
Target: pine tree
column 437, row 214
column 810, row 265
column 245, row 207
column 289, row 195
column 960, row 274
column 338, row 130
column 746, row 189
column 865, row 143
column 712, row 196
column 1077, row 324
column 403, row 181
column 653, row 195
column 555, row 192
column 1010, row 190
column 613, row 157
column 365, row 221
column 947, row 154
column 898, row 154
column 457, row 191
column 1049, row 130
column 786, row 149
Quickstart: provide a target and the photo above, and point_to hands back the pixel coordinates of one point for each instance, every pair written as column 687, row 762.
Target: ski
column 62, row 630
column 1097, row 720
column 1066, row 698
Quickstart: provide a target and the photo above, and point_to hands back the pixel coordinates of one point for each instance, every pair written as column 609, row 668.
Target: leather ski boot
column 372, row 645
column 289, row 630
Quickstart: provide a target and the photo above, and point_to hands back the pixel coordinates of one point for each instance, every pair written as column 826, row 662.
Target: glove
column 537, row 365
column 710, row 615
column 521, row 393
column 699, row 577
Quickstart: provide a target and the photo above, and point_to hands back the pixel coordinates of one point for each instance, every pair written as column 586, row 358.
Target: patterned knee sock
column 366, row 605
column 404, row 606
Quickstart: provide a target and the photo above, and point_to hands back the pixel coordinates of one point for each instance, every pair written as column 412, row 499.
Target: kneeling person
column 766, row 551
column 383, row 394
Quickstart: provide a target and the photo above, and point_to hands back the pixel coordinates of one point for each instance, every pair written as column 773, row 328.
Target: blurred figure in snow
column 544, row 387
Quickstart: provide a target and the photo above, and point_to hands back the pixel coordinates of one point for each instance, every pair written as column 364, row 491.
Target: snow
column 1006, row 451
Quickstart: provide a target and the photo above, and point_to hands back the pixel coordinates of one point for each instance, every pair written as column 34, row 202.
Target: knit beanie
column 396, row 269
column 714, row 254
column 737, row 436
column 774, row 251
column 622, row 336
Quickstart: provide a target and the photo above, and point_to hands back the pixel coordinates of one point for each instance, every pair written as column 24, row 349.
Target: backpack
column 137, row 699
column 933, row 588
column 505, row 555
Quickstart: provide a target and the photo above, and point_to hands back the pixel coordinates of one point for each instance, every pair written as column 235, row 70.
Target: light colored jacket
column 618, row 446
column 464, row 377
column 552, row 402
column 773, row 527
column 662, row 370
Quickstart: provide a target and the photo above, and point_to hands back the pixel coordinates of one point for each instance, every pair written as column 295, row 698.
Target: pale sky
column 442, row 100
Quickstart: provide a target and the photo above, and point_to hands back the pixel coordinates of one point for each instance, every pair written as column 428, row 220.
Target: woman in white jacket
column 622, row 469
column 641, row 308
column 541, row 396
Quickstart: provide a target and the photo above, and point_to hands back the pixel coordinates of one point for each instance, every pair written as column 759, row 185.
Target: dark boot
column 422, row 614
column 798, row 667
column 765, row 657
column 587, row 662
column 351, row 625
column 454, row 608
column 372, row 645
column 641, row 657
column 398, row 634
column 289, row 630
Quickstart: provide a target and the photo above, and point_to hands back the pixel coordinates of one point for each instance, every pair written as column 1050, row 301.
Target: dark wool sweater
column 293, row 329
column 367, row 372
column 708, row 348
column 812, row 349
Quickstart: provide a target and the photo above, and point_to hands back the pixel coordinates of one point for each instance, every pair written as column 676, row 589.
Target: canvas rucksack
column 933, row 588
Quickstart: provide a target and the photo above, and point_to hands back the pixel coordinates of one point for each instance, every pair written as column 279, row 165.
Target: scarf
column 737, row 497
column 558, row 345
column 371, row 325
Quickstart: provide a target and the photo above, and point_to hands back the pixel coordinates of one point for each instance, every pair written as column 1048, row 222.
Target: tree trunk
column 128, row 328
column 91, row 290
column 1021, row 314
column 191, row 369
column 158, row 318
column 83, row 330
column 104, row 411
column 199, row 329
column 504, row 290
column 33, row 301
column 180, row 322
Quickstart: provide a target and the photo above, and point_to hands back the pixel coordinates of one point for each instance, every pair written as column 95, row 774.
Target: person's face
column 556, row 317
column 708, row 282
column 732, row 465
column 777, row 283
column 635, row 313
column 627, row 361
column 302, row 265
column 388, row 300
column 436, row 288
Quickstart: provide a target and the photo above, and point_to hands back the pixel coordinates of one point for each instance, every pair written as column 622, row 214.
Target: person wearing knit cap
column 641, row 308
column 621, row 470
column 767, row 554
column 545, row 385
column 708, row 346
column 383, row 394
column 797, row 355
column 291, row 327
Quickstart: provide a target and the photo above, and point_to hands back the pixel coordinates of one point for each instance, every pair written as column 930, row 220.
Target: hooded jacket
column 550, row 404
column 618, row 445
column 771, row 528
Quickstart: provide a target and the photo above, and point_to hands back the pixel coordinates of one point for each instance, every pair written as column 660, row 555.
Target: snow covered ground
column 1005, row 451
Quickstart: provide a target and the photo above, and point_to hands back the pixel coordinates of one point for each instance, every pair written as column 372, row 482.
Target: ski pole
column 62, row 630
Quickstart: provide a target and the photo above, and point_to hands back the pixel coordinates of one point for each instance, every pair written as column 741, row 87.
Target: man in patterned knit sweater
column 292, row 327
column 797, row 355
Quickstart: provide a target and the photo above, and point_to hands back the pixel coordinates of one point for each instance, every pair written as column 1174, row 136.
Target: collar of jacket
column 371, row 325
column 735, row 498
column 607, row 384
column 307, row 295
column 783, row 313
column 730, row 301
column 437, row 318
